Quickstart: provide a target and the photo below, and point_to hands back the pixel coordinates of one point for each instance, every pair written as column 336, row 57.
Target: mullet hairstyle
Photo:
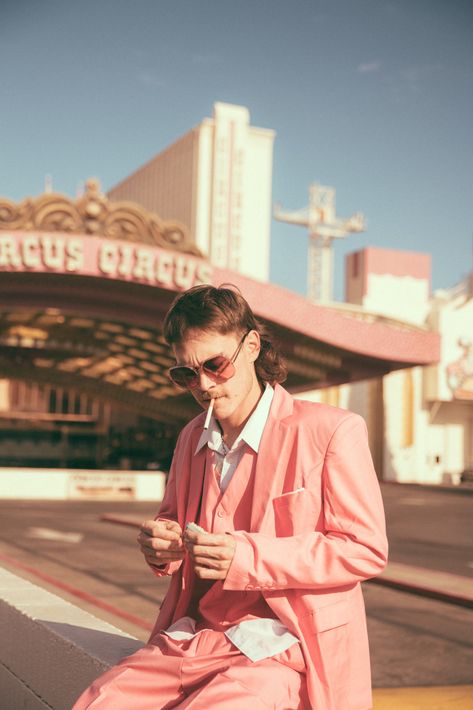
column 222, row 310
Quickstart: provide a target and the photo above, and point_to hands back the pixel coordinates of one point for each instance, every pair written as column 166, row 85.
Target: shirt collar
column 251, row 432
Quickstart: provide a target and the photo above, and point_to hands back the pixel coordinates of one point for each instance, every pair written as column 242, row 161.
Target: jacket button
column 219, row 513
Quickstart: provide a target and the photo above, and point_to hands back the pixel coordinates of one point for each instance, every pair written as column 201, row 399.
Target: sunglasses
column 218, row 367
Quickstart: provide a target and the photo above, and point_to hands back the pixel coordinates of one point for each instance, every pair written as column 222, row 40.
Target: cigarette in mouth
column 209, row 414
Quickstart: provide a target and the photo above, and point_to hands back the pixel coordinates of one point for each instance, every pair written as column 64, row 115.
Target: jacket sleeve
column 168, row 511
column 351, row 547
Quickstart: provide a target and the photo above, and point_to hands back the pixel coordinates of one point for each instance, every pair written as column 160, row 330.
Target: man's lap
column 207, row 671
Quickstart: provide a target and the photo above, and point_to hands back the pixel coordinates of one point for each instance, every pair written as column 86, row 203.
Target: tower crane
column 324, row 226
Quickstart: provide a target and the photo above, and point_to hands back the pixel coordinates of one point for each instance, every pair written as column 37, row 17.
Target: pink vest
column 223, row 512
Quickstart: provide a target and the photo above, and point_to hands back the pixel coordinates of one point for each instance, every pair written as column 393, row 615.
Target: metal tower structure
column 324, row 226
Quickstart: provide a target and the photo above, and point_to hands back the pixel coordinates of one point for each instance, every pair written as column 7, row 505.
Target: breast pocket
column 296, row 512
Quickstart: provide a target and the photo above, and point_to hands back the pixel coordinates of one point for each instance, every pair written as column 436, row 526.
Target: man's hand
column 161, row 542
column 211, row 554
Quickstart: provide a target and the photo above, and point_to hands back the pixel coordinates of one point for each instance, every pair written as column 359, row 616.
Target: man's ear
column 253, row 344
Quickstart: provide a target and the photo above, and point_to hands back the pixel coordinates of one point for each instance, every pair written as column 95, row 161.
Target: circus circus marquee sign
column 115, row 259
column 94, row 237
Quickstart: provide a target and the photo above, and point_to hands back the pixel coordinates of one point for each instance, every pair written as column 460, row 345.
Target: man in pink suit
column 265, row 605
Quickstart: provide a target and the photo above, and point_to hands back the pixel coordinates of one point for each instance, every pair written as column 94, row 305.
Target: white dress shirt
column 227, row 460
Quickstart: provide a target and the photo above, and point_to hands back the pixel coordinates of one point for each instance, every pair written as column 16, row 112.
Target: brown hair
column 223, row 310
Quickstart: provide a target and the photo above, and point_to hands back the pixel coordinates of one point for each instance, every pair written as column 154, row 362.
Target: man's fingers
column 172, row 525
column 163, row 529
column 210, row 563
column 212, row 553
column 151, row 525
column 162, row 556
column 205, row 538
column 156, row 543
column 207, row 573
column 162, row 542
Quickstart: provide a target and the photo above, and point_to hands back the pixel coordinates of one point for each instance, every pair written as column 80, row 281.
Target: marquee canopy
column 85, row 285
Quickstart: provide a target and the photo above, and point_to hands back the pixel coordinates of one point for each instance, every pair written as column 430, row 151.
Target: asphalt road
column 430, row 528
column 414, row 641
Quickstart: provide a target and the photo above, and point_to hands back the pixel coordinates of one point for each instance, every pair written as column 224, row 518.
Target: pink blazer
column 317, row 530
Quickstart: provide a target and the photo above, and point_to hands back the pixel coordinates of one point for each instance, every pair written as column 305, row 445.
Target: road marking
column 57, row 535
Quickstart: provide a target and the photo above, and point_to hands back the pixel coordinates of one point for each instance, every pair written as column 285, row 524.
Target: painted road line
column 56, row 535
column 84, row 596
column 446, row 697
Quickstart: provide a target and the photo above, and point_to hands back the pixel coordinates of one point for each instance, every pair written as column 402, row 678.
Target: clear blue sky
column 373, row 97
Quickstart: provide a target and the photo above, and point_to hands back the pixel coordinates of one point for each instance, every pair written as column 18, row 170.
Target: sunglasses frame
column 197, row 370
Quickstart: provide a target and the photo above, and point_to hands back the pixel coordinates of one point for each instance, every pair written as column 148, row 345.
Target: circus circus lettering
column 95, row 256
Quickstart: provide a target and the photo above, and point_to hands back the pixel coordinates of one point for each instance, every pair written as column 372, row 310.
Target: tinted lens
column 219, row 366
column 183, row 376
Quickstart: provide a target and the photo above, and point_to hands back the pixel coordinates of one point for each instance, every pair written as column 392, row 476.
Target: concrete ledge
column 50, row 649
column 77, row 484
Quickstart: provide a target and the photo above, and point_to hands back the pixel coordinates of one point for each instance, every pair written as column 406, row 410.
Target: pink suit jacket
column 317, row 530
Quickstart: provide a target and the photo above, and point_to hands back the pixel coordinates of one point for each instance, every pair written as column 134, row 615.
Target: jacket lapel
column 191, row 494
column 270, row 461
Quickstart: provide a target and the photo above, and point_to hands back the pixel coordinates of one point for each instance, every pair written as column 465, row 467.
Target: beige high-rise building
column 216, row 179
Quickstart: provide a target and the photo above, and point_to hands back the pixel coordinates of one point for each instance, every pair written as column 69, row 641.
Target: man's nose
column 205, row 381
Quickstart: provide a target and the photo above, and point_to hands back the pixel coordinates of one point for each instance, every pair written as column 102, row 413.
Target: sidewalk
column 452, row 697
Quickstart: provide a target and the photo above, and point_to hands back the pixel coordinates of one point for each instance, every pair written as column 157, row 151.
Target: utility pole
column 324, row 226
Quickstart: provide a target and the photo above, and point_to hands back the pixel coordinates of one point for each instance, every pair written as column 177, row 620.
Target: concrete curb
column 51, row 650
column 79, row 593
column 443, row 586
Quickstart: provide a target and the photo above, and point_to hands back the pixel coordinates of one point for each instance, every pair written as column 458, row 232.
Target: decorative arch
column 94, row 214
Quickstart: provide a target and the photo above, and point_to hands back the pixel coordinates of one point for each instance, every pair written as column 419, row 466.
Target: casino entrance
column 83, row 363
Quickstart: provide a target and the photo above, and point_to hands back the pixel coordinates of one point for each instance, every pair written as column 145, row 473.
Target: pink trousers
column 204, row 672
